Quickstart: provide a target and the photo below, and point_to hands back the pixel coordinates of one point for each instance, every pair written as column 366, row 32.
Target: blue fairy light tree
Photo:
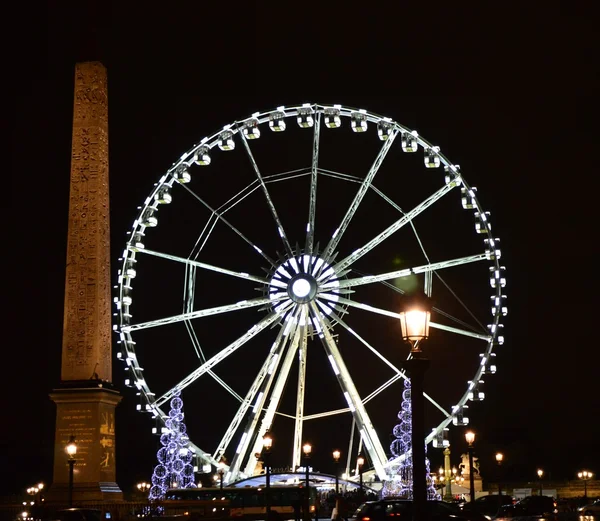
column 174, row 468
column 401, row 482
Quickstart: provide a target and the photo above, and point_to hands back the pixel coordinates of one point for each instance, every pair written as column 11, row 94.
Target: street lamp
column 267, row 444
column 442, row 475
column 221, row 471
column 540, row 473
column 360, row 461
column 470, row 437
column 414, row 320
column 143, row 487
column 336, row 457
column 584, row 475
column 499, row 458
column 307, row 449
column 71, row 450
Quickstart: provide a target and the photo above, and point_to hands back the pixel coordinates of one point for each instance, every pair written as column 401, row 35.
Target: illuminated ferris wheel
column 290, row 233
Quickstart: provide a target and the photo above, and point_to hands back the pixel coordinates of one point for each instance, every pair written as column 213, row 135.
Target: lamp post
column 336, row 458
column 32, row 491
column 221, row 471
column 267, row 444
column 360, row 461
column 499, row 458
column 307, row 449
column 71, row 450
column 414, row 321
column 540, row 473
column 584, row 475
column 470, row 437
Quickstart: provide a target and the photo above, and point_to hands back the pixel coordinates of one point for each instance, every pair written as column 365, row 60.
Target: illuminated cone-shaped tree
column 401, row 482
column 174, row 468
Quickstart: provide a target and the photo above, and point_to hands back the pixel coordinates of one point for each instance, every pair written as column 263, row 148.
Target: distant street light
column 267, row 444
column 584, row 475
column 499, row 459
column 336, row 457
column 307, row 449
column 360, row 461
column 143, row 487
column 414, row 321
column 71, row 450
column 470, row 437
column 540, row 473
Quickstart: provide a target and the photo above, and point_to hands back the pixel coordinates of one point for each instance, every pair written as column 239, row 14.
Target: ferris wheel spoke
column 220, row 216
column 275, row 397
column 425, row 268
column 267, row 197
column 219, row 357
column 255, row 394
column 310, row 227
column 339, row 233
column 398, row 372
column 244, row 304
column 392, row 314
column 202, row 265
column 405, row 219
column 368, row 434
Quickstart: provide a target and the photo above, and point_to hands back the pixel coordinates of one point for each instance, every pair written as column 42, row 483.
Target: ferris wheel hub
column 302, row 288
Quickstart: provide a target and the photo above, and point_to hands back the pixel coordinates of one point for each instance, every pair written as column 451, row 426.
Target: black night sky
column 505, row 92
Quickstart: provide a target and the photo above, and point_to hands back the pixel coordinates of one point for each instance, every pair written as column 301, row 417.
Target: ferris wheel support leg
column 302, row 354
column 249, row 398
column 274, row 400
column 365, row 426
column 248, row 437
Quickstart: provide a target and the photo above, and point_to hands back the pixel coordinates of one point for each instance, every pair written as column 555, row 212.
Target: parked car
column 391, row 509
column 488, row 505
column 593, row 509
column 530, row 506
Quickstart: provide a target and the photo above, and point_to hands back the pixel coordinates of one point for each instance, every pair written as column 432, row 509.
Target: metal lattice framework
column 308, row 294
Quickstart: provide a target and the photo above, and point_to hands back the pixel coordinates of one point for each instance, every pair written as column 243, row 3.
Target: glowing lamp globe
column 470, row 437
column 267, row 441
column 71, row 447
column 415, row 313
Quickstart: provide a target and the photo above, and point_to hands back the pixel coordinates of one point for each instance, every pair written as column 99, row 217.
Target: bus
column 243, row 503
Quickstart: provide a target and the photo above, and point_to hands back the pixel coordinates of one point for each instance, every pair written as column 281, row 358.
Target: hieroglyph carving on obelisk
column 86, row 350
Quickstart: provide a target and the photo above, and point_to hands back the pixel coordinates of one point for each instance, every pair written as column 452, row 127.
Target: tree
column 174, row 468
column 401, row 482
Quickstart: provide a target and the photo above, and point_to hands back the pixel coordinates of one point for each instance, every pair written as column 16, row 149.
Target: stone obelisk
column 85, row 399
